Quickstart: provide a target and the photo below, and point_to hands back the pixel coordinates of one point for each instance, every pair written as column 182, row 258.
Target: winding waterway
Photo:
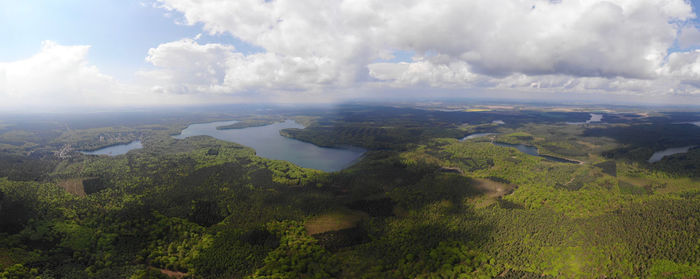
column 268, row 143
column 658, row 155
column 115, row 150
column 527, row 149
column 532, row 150
column 476, row 135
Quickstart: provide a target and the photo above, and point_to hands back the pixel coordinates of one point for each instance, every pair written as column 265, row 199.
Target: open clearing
column 492, row 191
column 172, row 274
column 73, row 186
column 334, row 221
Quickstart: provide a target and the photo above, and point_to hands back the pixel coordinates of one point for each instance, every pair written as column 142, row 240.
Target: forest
column 423, row 202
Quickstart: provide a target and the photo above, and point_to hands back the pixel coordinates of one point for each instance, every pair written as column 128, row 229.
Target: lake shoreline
column 270, row 141
column 661, row 154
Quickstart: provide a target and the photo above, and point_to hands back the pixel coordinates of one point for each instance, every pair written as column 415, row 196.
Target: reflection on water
column 527, row 149
column 658, row 155
column 268, row 143
column 476, row 135
column 115, row 150
column 696, row 123
column 532, row 150
column 594, row 118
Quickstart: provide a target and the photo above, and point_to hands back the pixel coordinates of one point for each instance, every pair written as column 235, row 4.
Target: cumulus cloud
column 683, row 67
column 60, row 77
column 312, row 48
column 56, row 75
column 185, row 66
column 424, row 73
column 575, row 44
column 689, row 37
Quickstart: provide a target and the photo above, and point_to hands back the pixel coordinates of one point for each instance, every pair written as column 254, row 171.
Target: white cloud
column 186, row 66
column 314, row 48
column 424, row 73
column 684, row 67
column 689, row 37
column 321, row 44
column 60, row 77
column 56, row 75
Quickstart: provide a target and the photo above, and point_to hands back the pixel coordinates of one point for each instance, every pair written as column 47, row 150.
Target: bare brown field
column 73, row 186
column 492, row 190
column 5, row 260
column 334, row 221
column 173, row 274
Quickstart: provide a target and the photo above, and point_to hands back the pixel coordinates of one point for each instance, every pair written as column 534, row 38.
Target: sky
column 110, row 53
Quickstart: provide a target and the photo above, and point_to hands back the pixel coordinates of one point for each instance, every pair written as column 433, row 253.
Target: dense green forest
column 420, row 204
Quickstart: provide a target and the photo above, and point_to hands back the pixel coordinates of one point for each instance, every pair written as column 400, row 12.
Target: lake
column 476, row 135
column 532, row 150
column 594, row 118
column 658, row 155
column 696, row 123
column 115, row 150
column 268, row 143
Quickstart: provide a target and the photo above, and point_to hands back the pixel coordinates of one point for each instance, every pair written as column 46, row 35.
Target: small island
column 247, row 123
